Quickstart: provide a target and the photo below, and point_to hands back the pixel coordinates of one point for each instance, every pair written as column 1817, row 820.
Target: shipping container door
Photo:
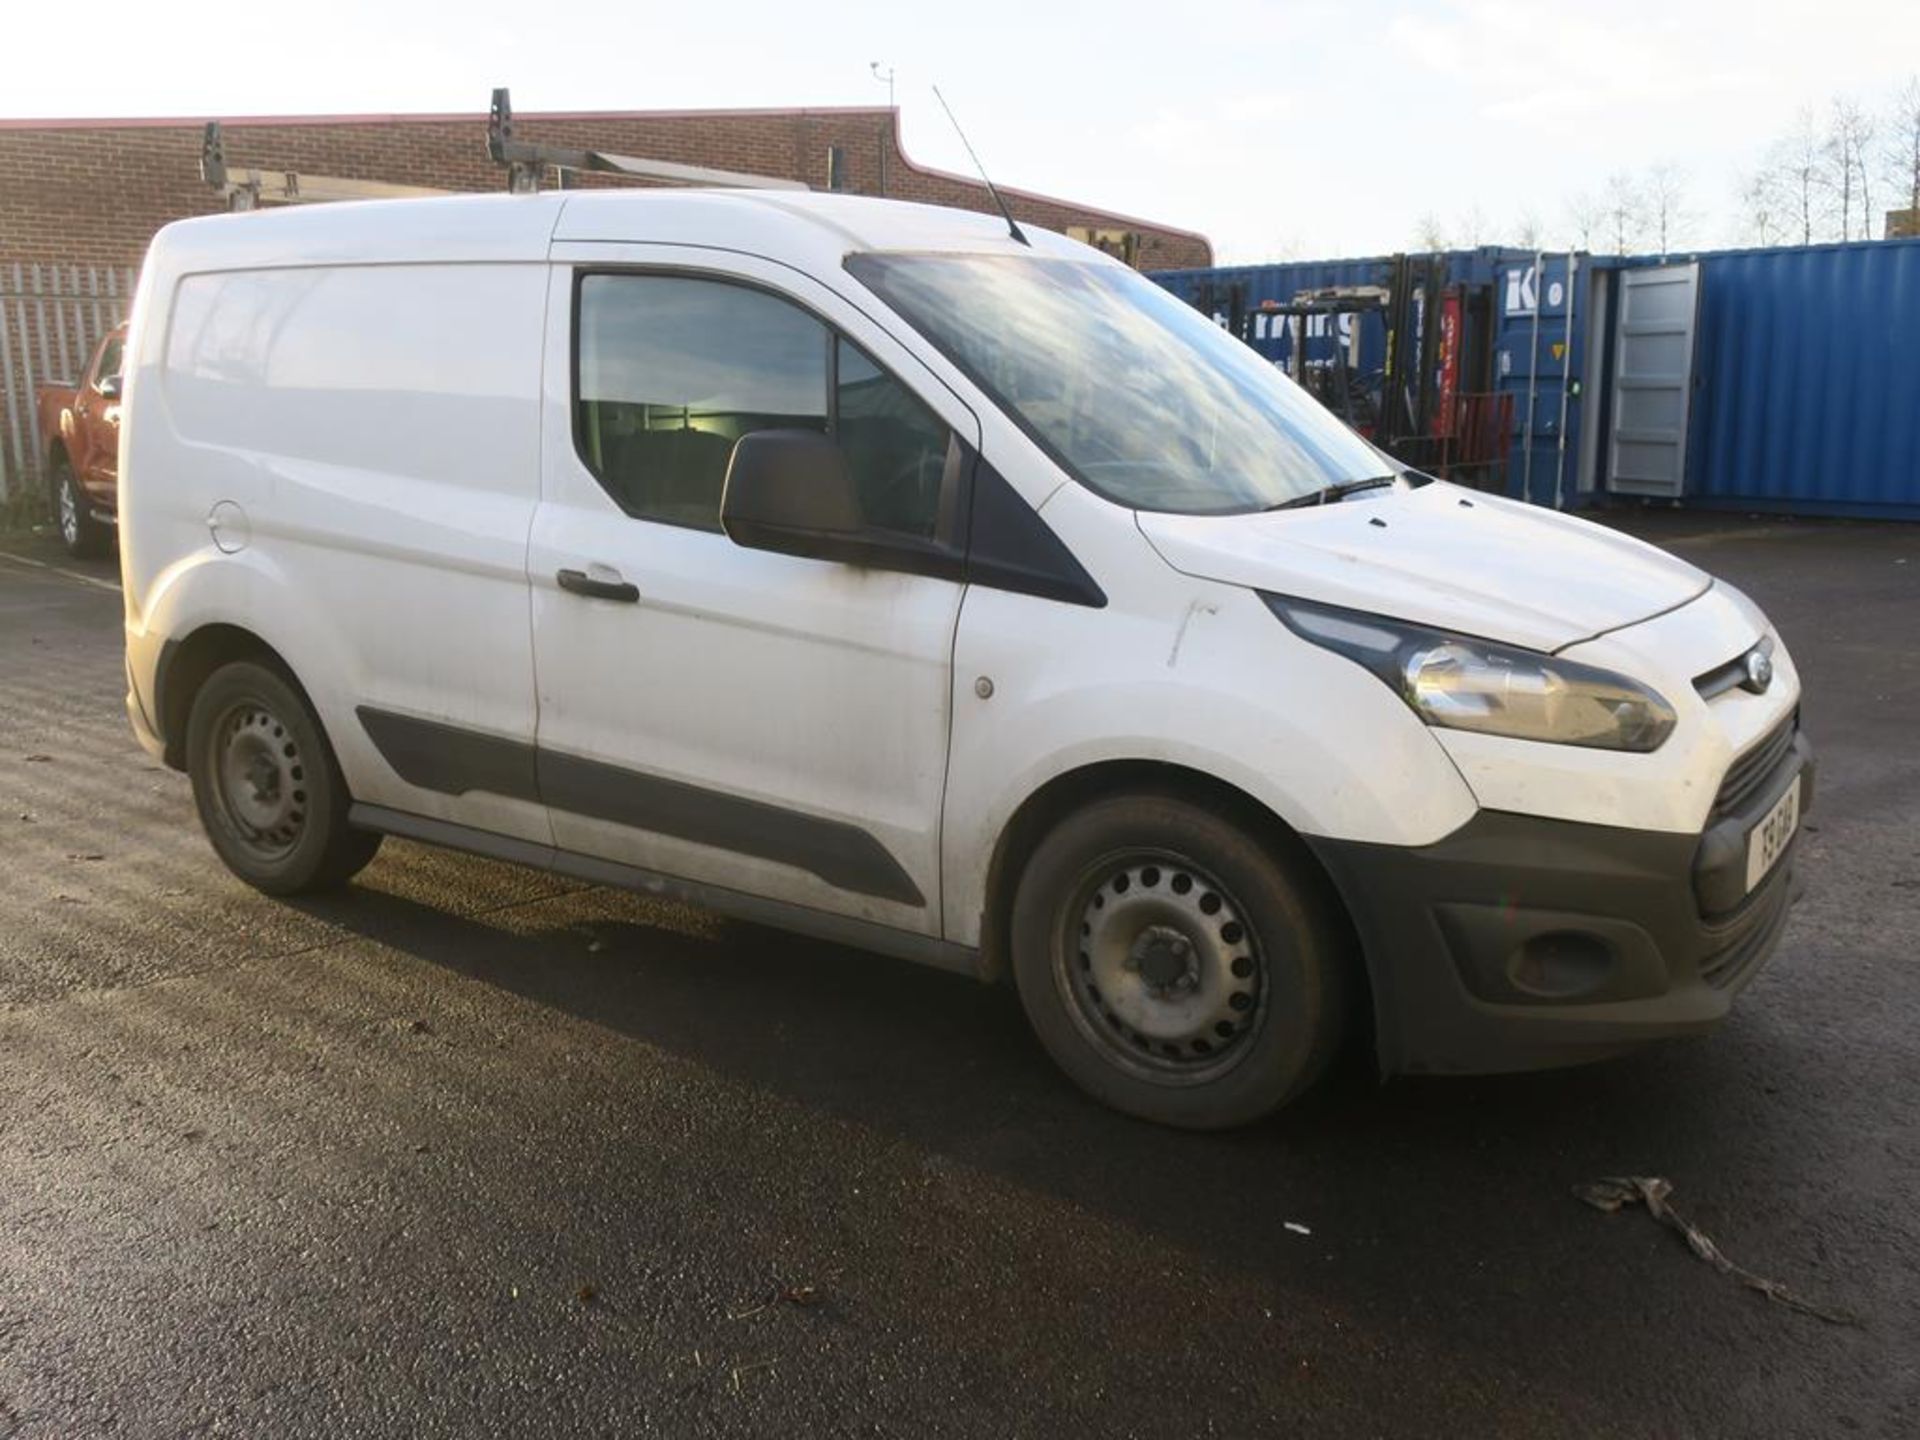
column 1652, row 380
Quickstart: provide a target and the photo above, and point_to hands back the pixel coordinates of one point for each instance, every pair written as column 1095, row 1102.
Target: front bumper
column 1518, row 943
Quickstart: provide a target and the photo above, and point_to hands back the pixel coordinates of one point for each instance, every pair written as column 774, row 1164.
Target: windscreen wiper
column 1326, row 494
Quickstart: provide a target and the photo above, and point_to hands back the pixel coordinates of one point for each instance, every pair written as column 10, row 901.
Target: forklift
column 1431, row 401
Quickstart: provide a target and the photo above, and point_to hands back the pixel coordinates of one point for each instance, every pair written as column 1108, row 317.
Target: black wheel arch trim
column 162, row 671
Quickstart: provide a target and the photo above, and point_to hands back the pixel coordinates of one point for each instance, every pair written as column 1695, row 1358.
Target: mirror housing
column 110, row 387
column 791, row 491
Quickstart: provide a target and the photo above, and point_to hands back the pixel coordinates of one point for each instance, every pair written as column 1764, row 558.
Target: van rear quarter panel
column 377, row 426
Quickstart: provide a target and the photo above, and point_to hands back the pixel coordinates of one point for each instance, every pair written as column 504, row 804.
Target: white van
column 857, row 568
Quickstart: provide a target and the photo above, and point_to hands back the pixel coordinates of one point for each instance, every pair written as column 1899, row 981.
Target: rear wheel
column 83, row 536
column 268, row 789
column 1174, row 965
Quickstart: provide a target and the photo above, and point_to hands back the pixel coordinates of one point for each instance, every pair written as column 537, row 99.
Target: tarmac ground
column 474, row 1149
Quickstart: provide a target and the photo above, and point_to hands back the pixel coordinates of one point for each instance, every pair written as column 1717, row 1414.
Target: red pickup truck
column 80, row 425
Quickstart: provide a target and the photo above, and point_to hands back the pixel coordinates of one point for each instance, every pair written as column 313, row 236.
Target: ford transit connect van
column 861, row 568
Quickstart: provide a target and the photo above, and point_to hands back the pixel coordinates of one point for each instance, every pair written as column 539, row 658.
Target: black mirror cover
column 790, row 491
column 110, row 387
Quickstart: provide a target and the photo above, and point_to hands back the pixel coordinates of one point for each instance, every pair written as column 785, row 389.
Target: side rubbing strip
column 841, row 854
column 448, row 759
column 453, row 761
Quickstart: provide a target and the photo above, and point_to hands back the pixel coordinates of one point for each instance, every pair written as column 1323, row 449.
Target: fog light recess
column 1561, row 964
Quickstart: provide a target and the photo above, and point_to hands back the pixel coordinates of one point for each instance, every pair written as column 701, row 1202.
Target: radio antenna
column 1013, row 226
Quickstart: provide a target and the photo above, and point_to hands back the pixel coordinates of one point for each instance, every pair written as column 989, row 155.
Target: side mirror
column 791, row 491
column 110, row 387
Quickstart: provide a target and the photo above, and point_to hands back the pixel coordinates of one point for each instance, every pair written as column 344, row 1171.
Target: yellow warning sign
column 1559, row 349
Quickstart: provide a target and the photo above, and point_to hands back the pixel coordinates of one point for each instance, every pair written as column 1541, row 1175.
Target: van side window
column 673, row 370
column 109, row 366
column 896, row 447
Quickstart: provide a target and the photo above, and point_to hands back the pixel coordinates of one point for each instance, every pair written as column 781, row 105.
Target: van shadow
column 1450, row 1195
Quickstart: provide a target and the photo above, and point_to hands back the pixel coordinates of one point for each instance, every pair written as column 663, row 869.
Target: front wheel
column 268, row 789
column 1175, row 966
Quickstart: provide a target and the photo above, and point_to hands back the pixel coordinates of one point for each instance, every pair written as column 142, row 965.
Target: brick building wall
column 86, row 196
column 93, row 192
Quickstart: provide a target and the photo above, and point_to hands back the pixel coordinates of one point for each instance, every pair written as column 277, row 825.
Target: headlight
column 1467, row 684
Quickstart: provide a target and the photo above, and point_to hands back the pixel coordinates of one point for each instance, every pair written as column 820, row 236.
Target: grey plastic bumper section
column 1518, row 942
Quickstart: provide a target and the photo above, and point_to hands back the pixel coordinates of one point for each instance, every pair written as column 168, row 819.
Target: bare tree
column 1622, row 211
column 1586, row 214
column 1849, row 135
column 1470, row 230
column 1759, row 196
column 1903, row 151
column 1664, row 202
column 1528, row 231
column 1285, row 245
column 1796, row 173
column 1432, row 234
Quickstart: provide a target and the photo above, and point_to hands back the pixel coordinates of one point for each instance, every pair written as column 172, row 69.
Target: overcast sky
column 1300, row 129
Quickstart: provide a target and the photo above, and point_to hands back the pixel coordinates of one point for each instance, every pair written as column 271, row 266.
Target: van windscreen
column 1137, row 395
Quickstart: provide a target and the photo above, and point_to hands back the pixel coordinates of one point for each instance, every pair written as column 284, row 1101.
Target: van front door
column 765, row 723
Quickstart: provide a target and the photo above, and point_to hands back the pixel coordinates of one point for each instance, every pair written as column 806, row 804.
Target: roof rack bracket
column 526, row 161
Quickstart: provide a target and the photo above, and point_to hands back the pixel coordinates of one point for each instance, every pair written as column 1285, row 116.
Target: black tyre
column 1175, row 966
column 84, row 536
column 267, row 786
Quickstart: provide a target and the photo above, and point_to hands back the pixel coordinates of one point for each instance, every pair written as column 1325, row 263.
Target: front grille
column 1750, row 771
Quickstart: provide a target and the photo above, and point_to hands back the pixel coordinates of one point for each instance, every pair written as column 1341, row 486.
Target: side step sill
column 776, row 914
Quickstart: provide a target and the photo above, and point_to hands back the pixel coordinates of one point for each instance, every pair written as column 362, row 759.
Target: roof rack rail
column 526, row 160
column 250, row 189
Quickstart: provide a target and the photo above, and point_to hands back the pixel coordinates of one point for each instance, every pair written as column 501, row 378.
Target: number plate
column 1768, row 840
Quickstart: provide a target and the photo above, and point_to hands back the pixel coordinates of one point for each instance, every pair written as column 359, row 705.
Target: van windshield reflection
column 1134, row 393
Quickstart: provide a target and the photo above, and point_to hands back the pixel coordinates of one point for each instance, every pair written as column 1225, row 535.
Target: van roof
column 793, row 226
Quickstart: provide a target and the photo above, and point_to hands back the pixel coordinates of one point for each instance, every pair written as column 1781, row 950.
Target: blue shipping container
column 1325, row 334
column 1510, row 277
column 1805, row 385
column 1806, row 392
column 1543, row 308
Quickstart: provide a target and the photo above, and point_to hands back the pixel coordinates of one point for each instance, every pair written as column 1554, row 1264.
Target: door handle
column 581, row 583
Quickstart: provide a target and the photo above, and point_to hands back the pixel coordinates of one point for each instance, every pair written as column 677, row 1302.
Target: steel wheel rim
column 1161, row 968
column 69, row 511
column 259, row 779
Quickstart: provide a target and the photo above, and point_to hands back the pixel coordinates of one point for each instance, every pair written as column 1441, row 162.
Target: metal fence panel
column 51, row 317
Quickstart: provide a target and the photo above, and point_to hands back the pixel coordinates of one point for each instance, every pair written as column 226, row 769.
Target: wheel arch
column 184, row 665
column 1068, row 791
column 57, row 459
